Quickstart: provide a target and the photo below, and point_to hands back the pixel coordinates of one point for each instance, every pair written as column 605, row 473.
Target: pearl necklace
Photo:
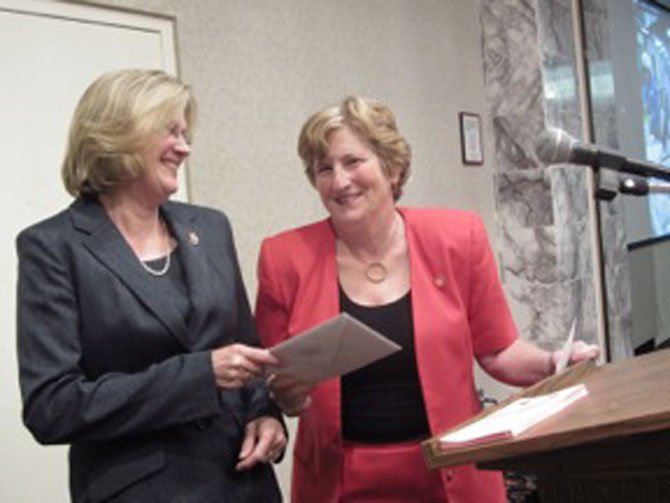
column 375, row 272
column 166, row 266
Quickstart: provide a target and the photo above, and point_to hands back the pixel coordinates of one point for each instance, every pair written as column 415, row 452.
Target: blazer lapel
column 195, row 261
column 106, row 243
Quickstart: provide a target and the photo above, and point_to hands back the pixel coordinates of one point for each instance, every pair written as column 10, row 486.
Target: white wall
column 62, row 48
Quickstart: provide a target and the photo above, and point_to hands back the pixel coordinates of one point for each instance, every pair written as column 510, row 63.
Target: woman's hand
column 289, row 393
column 523, row 363
column 580, row 352
column 235, row 365
column 264, row 442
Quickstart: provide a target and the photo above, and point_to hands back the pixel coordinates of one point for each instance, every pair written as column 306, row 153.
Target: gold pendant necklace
column 375, row 271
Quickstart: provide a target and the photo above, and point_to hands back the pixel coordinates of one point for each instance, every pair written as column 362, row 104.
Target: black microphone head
column 633, row 184
column 554, row 146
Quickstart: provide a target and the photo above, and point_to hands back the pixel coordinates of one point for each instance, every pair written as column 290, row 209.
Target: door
column 49, row 53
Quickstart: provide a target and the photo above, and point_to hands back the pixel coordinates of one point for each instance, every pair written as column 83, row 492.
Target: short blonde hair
column 372, row 122
column 112, row 122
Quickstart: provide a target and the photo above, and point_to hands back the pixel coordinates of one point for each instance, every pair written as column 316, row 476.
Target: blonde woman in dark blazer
column 135, row 338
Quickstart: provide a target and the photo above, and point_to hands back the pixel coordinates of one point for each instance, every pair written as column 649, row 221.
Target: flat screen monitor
column 652, row 27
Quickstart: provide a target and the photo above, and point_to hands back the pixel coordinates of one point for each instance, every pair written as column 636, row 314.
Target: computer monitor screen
column 652, row 26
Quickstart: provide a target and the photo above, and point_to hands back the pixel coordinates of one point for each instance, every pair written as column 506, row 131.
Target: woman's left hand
column 579, row 352
column 264, row 441
column 290, row 393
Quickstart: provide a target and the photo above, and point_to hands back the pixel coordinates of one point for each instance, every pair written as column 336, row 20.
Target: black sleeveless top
column 383, row 402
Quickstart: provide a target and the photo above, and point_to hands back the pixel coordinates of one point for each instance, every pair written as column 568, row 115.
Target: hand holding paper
column 574, row 351
column 566, row 350
column 291, row 394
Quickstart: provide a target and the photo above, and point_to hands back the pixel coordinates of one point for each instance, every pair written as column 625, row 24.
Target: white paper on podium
column 514, row 418
column 333, row 348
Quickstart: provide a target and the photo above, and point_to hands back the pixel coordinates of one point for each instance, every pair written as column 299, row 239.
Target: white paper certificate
column 331, row 349
column 514, row 418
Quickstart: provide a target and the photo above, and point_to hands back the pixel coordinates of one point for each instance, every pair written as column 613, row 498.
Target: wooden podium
column 611, row 446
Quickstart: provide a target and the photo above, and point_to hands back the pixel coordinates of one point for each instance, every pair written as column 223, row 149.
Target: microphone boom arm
column 556, row 146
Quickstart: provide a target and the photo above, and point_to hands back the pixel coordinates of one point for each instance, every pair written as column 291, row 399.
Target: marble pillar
column 546, row 255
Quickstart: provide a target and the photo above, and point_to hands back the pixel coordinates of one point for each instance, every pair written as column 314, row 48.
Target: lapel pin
column 193, row 238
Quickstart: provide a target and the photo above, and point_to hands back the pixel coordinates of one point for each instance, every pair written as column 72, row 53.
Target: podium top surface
column 625, row 398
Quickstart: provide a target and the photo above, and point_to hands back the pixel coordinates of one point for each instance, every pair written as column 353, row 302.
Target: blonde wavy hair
column 372, row 122
column 112, row 122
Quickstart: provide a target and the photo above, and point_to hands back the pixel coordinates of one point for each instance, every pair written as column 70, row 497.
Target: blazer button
column 202, row 424
column 439, row 280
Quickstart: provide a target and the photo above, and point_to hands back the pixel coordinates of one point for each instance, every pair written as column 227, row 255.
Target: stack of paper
column 514, row 418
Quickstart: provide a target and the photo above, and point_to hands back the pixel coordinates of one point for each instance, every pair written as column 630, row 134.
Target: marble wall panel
column 531, row 83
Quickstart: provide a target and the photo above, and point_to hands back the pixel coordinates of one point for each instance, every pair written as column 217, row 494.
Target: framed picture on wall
column 471, row 138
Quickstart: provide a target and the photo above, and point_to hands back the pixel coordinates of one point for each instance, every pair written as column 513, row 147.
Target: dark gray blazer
column 109, row 366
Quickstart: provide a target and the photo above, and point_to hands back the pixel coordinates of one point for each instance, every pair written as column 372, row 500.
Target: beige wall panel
column 260, row 67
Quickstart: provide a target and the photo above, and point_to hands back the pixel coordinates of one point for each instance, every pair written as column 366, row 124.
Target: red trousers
column 389, row 473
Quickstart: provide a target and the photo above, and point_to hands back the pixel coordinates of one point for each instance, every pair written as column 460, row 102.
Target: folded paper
column 333, row 348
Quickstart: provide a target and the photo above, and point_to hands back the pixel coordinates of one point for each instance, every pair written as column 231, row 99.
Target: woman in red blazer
column 425, row 278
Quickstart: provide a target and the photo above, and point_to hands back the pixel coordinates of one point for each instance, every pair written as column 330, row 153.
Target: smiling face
column 113, row 139
column 164, row 154
column 350, row 180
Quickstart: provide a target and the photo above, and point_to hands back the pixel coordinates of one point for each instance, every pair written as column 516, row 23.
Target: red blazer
column 459, row 312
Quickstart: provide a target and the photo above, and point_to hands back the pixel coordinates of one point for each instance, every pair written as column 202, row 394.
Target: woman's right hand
column 235, row 365
column 289, row 393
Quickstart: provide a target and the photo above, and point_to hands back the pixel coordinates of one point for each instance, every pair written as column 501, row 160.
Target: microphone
column 555, row 146
column 639, row 186
column 634, row 185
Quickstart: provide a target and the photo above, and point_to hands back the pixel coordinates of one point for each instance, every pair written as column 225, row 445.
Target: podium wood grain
column 611, row 446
